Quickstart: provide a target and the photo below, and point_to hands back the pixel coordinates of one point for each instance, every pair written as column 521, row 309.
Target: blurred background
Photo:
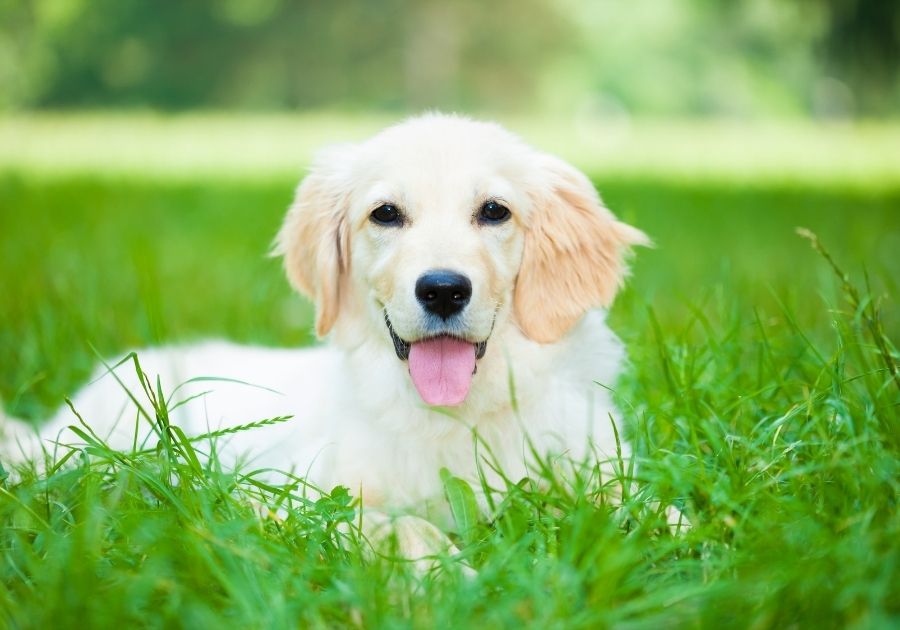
column 745, row 58
column 148, row 150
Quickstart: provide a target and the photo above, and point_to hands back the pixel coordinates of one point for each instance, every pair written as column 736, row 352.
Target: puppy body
column 357, row 420
column 538, row 278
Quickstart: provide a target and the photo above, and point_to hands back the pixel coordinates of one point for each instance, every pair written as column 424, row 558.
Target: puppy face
column 441, row 231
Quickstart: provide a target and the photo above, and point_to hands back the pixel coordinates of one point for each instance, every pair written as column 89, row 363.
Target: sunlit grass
column 782, row 452
column 271, row 146
column 760, row 395
column 124, row 264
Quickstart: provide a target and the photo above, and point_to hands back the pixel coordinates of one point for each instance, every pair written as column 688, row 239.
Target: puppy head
column 439, row 232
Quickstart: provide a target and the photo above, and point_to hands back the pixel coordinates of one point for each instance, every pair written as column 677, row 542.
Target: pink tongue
column 441, row 369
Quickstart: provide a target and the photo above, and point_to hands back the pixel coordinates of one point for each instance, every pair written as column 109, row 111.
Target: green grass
column 862, row 155
column 759, row 398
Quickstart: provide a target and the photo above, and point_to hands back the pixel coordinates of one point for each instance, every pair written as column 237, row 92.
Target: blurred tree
column 270, row 53
column 862, row 49
column 667, row 57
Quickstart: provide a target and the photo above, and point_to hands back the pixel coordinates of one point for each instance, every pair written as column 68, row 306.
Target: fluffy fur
column 538, row 282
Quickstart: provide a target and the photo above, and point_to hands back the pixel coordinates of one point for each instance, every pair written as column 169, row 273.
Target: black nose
column 443, row 292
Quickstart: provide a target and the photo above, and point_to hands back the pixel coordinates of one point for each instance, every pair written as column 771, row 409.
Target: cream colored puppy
column 447, row 260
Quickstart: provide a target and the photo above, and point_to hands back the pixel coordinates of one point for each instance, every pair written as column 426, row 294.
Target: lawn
column 760, row 395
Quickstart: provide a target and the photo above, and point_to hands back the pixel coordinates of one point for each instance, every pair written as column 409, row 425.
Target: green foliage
column 584, row 59
column 761, row 398
column 463, row 505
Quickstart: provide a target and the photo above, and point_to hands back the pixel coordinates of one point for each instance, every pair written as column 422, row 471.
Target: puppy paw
column 410, row 538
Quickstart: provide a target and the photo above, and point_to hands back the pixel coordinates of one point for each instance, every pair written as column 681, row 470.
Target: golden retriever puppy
column 459, row 277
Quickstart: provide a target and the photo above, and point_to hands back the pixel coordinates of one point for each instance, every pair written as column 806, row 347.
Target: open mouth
column 441, row 367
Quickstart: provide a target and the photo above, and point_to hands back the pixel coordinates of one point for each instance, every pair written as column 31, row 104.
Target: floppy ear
column 574, row 256
column 315, row 241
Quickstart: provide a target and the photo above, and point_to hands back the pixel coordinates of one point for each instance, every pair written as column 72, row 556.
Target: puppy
column 459, row 278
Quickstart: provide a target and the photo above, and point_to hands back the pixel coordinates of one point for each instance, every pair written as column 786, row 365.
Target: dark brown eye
column 492, row 213
column 388, row 215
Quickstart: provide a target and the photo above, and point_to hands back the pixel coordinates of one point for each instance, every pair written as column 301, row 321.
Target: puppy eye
column 492, row 212
column 388, row 215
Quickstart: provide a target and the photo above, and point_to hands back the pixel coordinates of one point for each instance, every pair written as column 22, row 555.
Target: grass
column 760, row 399
column 862, row 155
